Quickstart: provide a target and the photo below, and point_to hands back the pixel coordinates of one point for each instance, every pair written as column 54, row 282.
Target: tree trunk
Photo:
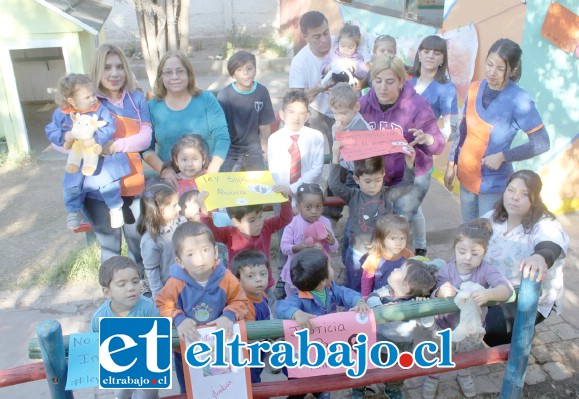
column 183, row 25
column 171, row 24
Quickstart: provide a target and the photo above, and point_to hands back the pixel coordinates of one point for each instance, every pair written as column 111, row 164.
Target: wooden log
column 51, row 345
column 21, row 374
column 523, row 331
column 263, row 329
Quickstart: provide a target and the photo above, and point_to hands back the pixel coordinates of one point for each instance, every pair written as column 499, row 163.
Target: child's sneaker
column 145, row 289
column 429, row 387
column 73, row 220
column 280, row 290
column 466, row 383
column 117, row 219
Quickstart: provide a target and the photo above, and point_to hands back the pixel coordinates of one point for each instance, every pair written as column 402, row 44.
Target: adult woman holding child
column 527, row 241
column 117, row 91
column 495, row 110
column 178, row 108
column 392, row 103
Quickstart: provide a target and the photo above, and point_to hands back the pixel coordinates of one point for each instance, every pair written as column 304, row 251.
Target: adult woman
column 117, row 91
column 527, row 241
column 392, row 103
column 430, row 80
column 179, row 108
column 495, row 110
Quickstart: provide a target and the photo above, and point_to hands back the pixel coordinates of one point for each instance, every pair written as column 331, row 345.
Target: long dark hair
column 538, row 209
column 156, row 196
column 435, row 43
column 511, row 53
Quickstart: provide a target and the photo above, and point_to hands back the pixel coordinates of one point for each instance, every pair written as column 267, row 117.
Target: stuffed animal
column 470, row 313
column 316, row 233
column 341, row 71
column 80, row 141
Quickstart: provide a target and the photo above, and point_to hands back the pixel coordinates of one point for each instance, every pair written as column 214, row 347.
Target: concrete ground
column 554, row 357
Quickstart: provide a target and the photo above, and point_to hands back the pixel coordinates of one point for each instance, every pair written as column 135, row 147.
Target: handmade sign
column 83, row 361
column 371, row 143
column 561, row 27
column 341, row 326
column 218, row 382
column 238, row 189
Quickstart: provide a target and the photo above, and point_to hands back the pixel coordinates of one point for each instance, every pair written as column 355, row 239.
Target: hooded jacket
column 182, row 297
column 411, row 110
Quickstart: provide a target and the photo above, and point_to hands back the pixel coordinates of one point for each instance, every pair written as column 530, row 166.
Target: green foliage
column 243, row 41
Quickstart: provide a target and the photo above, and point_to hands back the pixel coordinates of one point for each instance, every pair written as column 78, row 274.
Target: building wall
column 209, row 20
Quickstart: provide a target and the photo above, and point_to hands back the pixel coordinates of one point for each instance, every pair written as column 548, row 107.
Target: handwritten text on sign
column 83, row 361
column 342, row 326
column 370, row 143
column 238, row 189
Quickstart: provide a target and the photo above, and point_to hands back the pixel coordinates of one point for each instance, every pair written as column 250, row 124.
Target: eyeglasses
column 178, row 72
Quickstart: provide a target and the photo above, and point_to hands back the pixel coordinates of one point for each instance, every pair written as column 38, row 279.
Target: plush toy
column 80, row 141
column 316, row 233
column 341, row 71
column 470, row 313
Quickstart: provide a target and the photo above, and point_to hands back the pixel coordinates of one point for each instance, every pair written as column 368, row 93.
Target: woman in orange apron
column 117, row 91
column 494, row 112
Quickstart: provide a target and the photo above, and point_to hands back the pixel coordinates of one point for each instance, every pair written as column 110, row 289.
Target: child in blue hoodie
column 317, row 295
column 200, row 290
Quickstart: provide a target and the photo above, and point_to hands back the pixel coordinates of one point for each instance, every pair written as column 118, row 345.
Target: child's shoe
column 280, row 290
column 466, row 383
column 429, row 387
column 145, row 289
column 73, row 220
column 117, row 219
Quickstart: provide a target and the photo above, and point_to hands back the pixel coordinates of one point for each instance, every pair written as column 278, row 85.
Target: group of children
column 190, row 283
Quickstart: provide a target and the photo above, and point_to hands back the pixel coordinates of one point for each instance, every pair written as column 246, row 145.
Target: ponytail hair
column 156, row 196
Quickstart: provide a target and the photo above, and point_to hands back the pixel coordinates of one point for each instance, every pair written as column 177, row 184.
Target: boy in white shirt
column 295, row 153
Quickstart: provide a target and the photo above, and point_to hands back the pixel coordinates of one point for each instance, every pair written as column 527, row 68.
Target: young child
column 249, row 113
column 76, row 94
column 189, row 159
column 200, row 290
column 252, row 270
column 249, row 230
column 120, row 281
column 295, row 152
column 383, row 45
column 318, row 294
column 157, row 222
column 346, row 55
column 308, row 229
column 387, row 252
column 470, row 246
column 413, row 280
column 366, row 205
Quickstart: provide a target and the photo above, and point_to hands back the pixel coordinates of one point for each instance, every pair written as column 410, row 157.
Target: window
column 428, row 12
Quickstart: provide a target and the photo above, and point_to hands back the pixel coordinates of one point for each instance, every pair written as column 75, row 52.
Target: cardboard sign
column 341, row 326
column 371, row 143
column 561, row 27
column 238, row 189
column 222, row 383
column 83, row 361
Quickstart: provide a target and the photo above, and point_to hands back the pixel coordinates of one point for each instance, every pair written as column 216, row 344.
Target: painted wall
column 551, row 77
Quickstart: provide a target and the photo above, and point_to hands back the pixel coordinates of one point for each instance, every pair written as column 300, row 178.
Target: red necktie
column 296, row 159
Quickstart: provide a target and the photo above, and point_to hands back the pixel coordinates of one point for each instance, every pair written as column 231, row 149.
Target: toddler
column 249, row 113
column 413, row 280
column 76, row 94
column 470, row 246
column 367, row 203
column 383, row 45
column 318, row 294
column 200, row 290
column 120, row 281
column 387, row 252
column 189, row 159
column 251, row 268
column 308, row 229
column 157, row 222
column 345, row 57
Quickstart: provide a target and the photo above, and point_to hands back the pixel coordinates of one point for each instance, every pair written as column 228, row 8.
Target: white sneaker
column 117, row 219
column 429, row 387
column 73, row 220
